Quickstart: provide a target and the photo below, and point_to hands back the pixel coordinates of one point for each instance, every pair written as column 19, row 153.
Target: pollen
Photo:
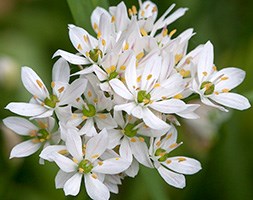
column 141, row 139
column 95, row 100
column 84, row 118
column 99, row 34
column 40, row 84
column 116, row 158
column 178, row 96
column 138, row 79
column 89, row 93
column 52, row 84
column 133, row 140
column 149, row 76
column 63, row 152
column 79, row 47
column 165, row 32
column 214, row 68
column 224, row 78
column 178, row 57
column 80, row 170
column 35, row 97
column 154, row 9
column 147, row 6
column 42, row 125
column 140, row 55
column 100, row 163
column 164, row 97
column 123, row 67
column 157, row 85
column 185, row 73
column 225, row 90
column 168, row 136
column 158, row 143
column 78, row 99
column 143, row 32
column 217, row 93
column 87, row 54
column 181, row 159
column 126, row 47
column 172, row 32
column 95, row 156
column 146, row 101
column 103, row 42
column 142, row 13
column 204, row 73
column 113, row 19
column 173, row 146
column 94, row 176
column 75, row 160
column 95, row 26
column 33, row 133
column 168, row 161
column 74, row 116
column 130, row 12
column 60, row 90
column 85, row 38
column 134, row 10
column 102, row 116
column 43, row 104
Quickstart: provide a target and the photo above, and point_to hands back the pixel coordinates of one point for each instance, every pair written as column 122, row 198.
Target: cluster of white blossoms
column 121, row 110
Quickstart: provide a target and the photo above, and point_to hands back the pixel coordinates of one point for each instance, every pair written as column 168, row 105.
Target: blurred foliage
column 32, row 30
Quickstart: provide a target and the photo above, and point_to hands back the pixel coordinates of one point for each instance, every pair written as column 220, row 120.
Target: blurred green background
column 32, row 30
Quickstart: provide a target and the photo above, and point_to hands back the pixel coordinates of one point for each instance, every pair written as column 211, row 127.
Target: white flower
column 44, row 104
column 171, row 168
column 214, row 86
column 85, row 161
column 40, row 135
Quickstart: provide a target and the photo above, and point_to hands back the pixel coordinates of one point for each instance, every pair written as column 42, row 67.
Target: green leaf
column 81, row 11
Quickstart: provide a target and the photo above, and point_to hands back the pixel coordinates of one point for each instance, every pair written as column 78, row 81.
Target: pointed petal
column 125, row 150
column 61, row 71
column 64, row 163
column 72, row 186
column 74, row 144
column 33, row 83
column 105, row 121
column 121, row 89
column 130, row 74
column 47, row 153
column 61, row 178
column 172, row 178
column 24, row 149
column 169, row 106
column 72, row 58
column 95, row 188
column 19, row 125
column 128, row 107
column 133, row 170
column 114, row 138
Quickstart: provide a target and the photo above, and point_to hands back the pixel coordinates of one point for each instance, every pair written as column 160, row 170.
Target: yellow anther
column 35, row 141
column 42, row 103
column 142, row 13
column 100, row 163
column 85, row 38
column 157, row 85
column 123, row 67
column 138, row 79
column 158, row 143
column 63, row 152
column 33, row 133
column 134, row 10
column 173, row 145
column 214, row 68
column 84, row 118
column 87, row 54
column 154, row 9
column 172, row 32
column 79, row 47
column 185, row 73
column 130, row 12
column 99, row 34
column 165, row 32
column 133, row 140
column 113, row 68
column 95, row 156
column 95, row 100
column 60, row 90
column 181, row 159
column 117, row 158
column 102, row 116
column 52, row 84
column 74, row 116
column 143, row 32
column 178, row 96
column 35, row 97
column 145, row 126
column 113, row 19
column 204, row 73
column 75, row 160
column 95, row 26
column 224, row 78
column 146, row 101
column 149, row 76
column 225, row 90
column 140, row 56
column 164, row 97
column 168, row 136
column 94, row 176
column 168, row 161
column 141, row 139
column 42, row 125
column 188, row 61
column 178, row 57
column 40, row 84
column 147, row 6
column 123, row 79
column 80, row 170
column 103, row 42
column 89, row 93
column 217, row 93
column 126, row 47
column 78, row 99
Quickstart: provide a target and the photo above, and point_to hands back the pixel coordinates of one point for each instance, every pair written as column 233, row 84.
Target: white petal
column 140, row 152
column 137, row 112
column 188, row 112
column 101, row 74
column 19, row 125
column 128, row 107
column 73, row 91
column 64, row 163
column 72, row 58
column 95, row 188
column 130, row 74
column 72, row 186
column 24, row 149
column 114, row 138
column 210, row 103
column 26, row 109
column 96, row 14
column 125, row 150
column 61, row 71
column 61, row 178
column 97, row 145
column 183, row 165
column 153, row 121
column 118, row 116
column 169, row 106
column 120, row 89
column 133, row 170
column 33, row 83
column 172, row 178
column 74, row 145
column 105, row 121
column 88, row 128
column 232, row 100
column 112, row 166
column 47, row 153
column 48, row 113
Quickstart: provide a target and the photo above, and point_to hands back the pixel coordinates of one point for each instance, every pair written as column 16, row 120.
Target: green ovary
column 130, row 131
column 43, row 135
column 143, row 96
column 90, row 112
column 85, row 166
column 95, row 54
column 208, row 86
column 51, row 101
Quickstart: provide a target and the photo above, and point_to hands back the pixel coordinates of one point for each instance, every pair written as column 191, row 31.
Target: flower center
column 143, row 97
column 51, row 101
column 130, row 131
column 208, row 86
column 90, row 112
column 85, row 166
column 162, row 153
column 95, row 54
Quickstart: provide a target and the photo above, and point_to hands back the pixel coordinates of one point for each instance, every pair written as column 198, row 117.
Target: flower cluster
column 121, row 110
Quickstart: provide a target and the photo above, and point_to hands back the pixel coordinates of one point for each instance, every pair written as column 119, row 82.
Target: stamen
column 95, row 156
column 60, row 90
column 172, row 32
column 89, row 93
column 52, row 84
column 140, row 55
column 178, row 57
column 225, row 90
column 173, row 146
column 168, row 161
column 165, row 32
column 85, row 38
column 168, row 136
column 204, row 73
column 181, row 159
column 113, row 19
column 123, row 67
column 95, row 26
column 103, row 42
column 40, row 84
column 133, row 140
column 126, row 47
column 157, row 85
column 94, row 176
column 139, row 79
column 79, row 47
column 178, row 96
column 143, row 32
column 134, row 10
column 149, row 76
